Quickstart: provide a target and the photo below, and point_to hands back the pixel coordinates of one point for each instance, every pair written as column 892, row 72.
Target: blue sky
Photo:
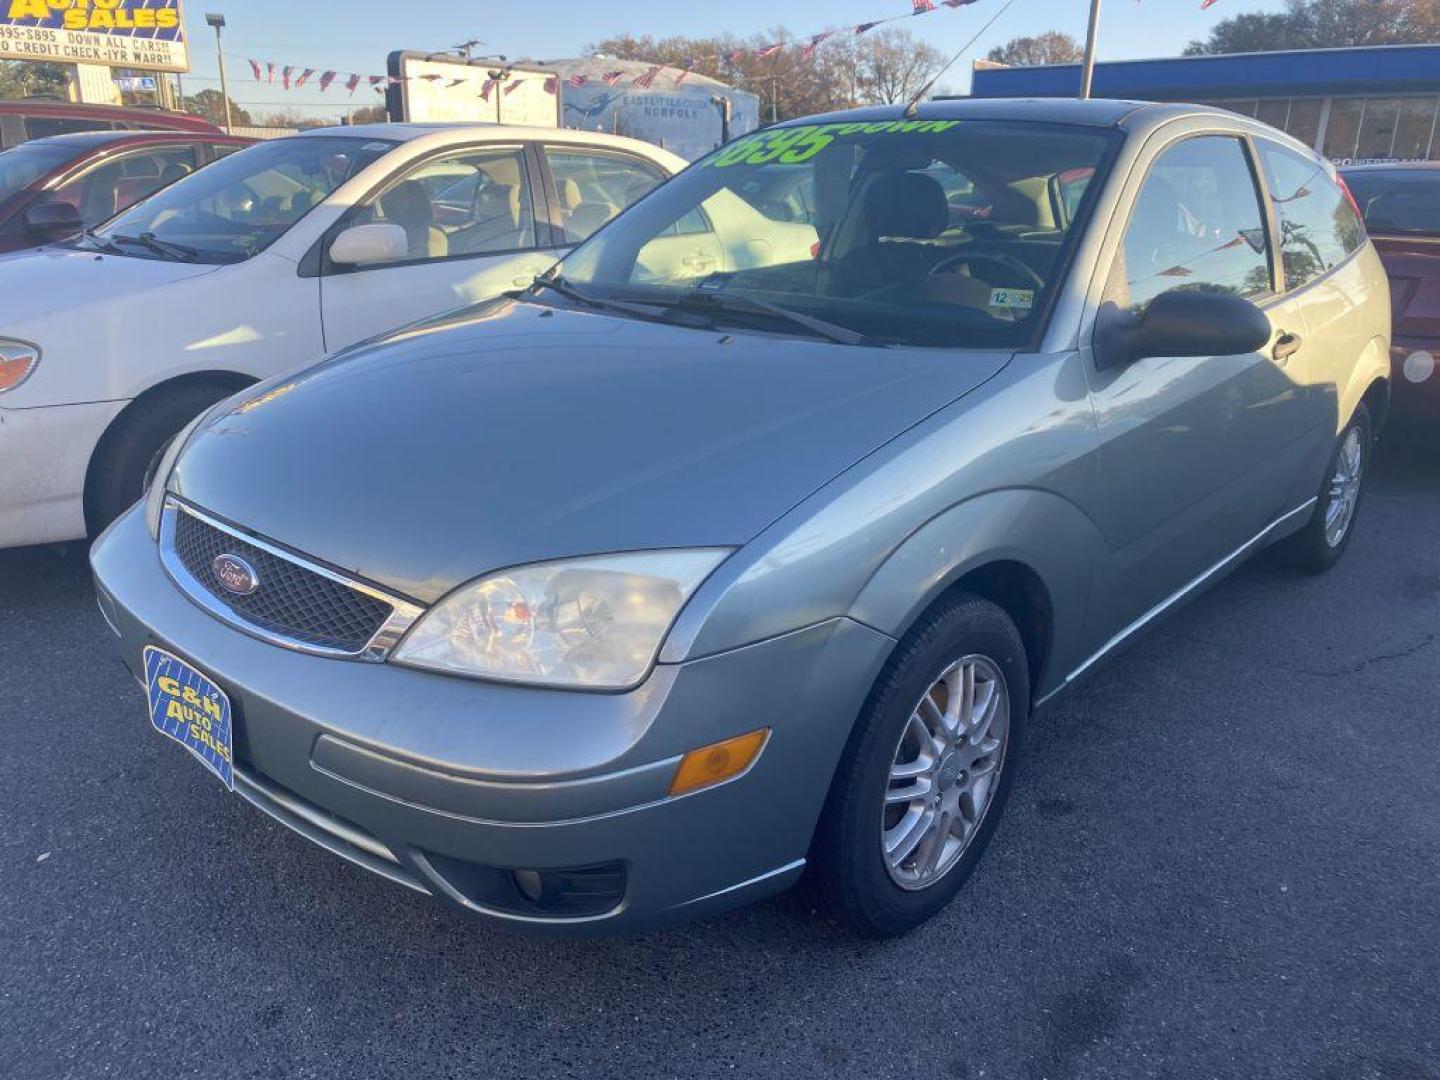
column 356, row 35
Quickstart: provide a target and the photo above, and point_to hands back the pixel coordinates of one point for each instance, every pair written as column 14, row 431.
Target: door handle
column 1286, row 346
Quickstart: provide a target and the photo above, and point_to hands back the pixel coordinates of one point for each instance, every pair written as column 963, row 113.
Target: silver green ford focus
column 742, row 545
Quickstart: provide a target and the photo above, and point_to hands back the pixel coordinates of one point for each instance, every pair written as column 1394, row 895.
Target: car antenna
column 913, row 107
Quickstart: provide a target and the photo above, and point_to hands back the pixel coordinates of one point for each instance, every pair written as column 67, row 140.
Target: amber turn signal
column 717, row 762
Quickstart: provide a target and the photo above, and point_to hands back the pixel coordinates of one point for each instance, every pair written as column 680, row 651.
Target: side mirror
column 1182, row 322
column 52, row 220
column 378, row 242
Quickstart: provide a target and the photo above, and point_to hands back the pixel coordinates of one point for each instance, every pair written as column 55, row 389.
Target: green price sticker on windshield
column 793, row 145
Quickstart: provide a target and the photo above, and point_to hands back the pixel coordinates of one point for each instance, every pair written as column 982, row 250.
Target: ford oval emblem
column 235, row 575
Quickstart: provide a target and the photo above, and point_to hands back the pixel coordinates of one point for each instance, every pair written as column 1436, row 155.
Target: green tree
column 1051, row 47
column 1324, row 24
column 27, row 78
column 211, row 105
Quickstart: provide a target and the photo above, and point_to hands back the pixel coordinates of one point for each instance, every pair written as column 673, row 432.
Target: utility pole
column 218, row 22
column 465, row 47
column 1087, row 69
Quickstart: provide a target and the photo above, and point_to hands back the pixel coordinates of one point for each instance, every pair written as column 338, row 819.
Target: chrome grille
column 296, row 603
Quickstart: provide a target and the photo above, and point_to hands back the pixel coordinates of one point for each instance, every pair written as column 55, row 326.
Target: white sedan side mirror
column 378, row 242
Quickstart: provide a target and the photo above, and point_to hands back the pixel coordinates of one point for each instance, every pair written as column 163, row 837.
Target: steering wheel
column 995, row 258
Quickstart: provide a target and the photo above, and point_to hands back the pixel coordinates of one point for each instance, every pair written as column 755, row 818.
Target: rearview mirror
column 378, row 242
column 1182, row 322
column 52, row 220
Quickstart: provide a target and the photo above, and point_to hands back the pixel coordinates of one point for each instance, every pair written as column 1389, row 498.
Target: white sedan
column 259, row 263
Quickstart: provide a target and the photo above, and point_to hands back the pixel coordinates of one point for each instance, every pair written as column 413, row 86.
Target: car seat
column 408, row 205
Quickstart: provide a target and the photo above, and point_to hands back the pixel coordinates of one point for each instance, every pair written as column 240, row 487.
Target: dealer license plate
column 192, row 710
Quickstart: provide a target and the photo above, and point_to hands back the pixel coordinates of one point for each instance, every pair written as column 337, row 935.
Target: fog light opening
column 707, row 766
column 530, row 884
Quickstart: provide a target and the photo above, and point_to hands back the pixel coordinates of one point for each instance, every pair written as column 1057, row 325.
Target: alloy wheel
column 1345, row 484
column 945, row 772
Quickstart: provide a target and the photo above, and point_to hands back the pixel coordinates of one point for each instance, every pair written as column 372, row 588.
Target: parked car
column 1401, row 205
column 628, row 599
column 258, row 263
column 38, row 118
column 52, row 188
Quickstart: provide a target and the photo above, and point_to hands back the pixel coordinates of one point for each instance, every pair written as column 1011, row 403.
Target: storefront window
column 1377, row 128
column 1304, row 119
column 1342, row 131
column 1273, row 112
column 1414, row 131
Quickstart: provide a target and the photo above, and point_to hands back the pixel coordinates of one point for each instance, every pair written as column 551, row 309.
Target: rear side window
column 1318, row 226
column 1196, row 224
column 40, row 127
column 594, row 186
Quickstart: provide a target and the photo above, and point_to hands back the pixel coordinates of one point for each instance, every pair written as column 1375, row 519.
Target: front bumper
column 411, row 774
column 46, row 452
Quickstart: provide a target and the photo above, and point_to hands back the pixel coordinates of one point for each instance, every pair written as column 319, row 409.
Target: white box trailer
column 445, row 87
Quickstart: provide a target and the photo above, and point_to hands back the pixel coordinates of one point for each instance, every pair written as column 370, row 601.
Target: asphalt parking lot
column 1222, row 860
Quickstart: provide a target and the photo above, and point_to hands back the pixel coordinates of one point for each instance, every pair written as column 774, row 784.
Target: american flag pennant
column 864, row 26
column 270, row 69
column 552, row 85
column 326, row 78
column 648, row 77
column 453, row 83
column 487, row 87
column 962, row 3
column 397, row 80
column 285, row 76
column 255, row 67
column 610, row 78
column 511, row 85
column 304, row 77
column 1206, row 3
column 578, row 81
column 922, row 6
column 432, row 77
column 808, row 49
column 351, row 83
column 375, row 80
column 769, row 50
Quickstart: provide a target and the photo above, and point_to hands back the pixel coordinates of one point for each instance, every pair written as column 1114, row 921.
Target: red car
column 1401, row 206
column 38, row 118
column 52, row 188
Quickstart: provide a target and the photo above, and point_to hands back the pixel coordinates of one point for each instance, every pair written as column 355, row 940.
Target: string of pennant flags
column 294, row 77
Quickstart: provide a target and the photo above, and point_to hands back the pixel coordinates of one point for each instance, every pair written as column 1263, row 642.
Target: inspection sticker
column 1012, row 298
column 189, row 708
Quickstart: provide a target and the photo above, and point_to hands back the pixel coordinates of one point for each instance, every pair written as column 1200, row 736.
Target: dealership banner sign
column 144, row 34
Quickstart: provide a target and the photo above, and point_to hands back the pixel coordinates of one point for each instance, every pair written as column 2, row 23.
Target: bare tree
column 1051, row 47
column 893, row 67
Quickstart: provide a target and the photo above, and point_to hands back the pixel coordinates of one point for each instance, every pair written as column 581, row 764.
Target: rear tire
column 131, row 447
column 1320, row 544
column 965, row 657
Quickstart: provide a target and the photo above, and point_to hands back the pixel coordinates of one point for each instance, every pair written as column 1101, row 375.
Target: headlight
column 17, row 361
column 155, row 494
column 593, row 623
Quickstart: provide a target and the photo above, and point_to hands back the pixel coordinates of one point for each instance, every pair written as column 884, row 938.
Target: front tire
column 129, row 449
column 926, row 772
column 1320, row 544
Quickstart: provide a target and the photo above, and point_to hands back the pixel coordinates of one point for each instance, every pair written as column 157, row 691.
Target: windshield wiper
column 101, row 242
column 557, row 283
column 166, row 248
column 698, row 300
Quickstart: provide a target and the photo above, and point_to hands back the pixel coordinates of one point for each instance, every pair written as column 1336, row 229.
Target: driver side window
column 1197, row 223
column 472, row 203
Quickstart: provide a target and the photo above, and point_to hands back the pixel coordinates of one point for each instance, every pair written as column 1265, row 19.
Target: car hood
column 39, row 282
column 514, row 433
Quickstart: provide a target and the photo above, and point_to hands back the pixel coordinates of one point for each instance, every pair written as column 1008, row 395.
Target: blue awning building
column 1362, row 104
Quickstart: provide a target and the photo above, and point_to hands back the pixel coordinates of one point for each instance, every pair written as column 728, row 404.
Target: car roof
column 438, row 136
column 1392, row 166
column 81, row 141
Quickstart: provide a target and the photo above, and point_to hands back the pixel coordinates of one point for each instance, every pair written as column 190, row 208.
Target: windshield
column 942, row 232
column 22, row 166
column 1398, row 200
column 239, row 206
